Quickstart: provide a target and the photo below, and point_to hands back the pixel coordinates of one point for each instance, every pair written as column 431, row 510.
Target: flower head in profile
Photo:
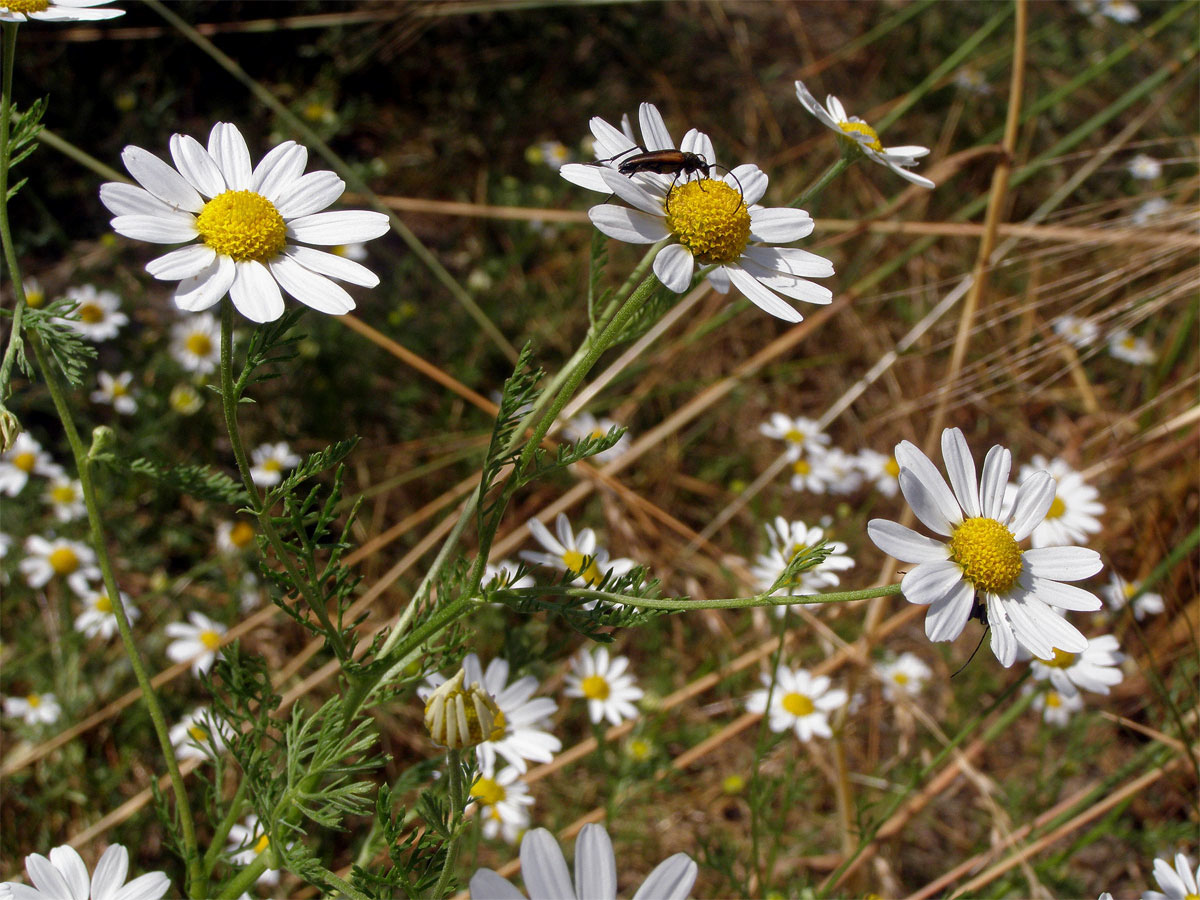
column 714, row 222
column 98, row 617
column 1179, row 883
column 544, row 869
column 799, row 701
column 1072, row 514
column 98, row 315
column 1076, row 331
column 1096, row 669
column 981, row 556
column 462, row 714
column 200, row 734
column 609, row 689
column 34, row 708
column 59, row 558
column 904, row 674
column 504, row 802
column 64, row 876
column 1126, row 347
column 57, row 11
column 861, row 136
column 1118, row 592
column 270, row 461
column 198, row 640
column 245, row 227
column 116, row 391
column 196, row 343
column 24, row 458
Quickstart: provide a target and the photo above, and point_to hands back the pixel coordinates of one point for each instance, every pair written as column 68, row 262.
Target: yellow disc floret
column 63, row 560
column 1061, row 660
column 242, row 225
column 798, row 704
column 710, row 219
column 863, row 128
column 210, row 639
column 199, row 344
column 91, row 314
column 26, row 6
column 988, row 554
column 25, row 461
column 574, row 560
column 1057, row 508
column 595, row 687
column 487, row 791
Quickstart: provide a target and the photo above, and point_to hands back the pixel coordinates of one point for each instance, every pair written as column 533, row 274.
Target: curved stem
column 10, row 252
column 723, row 603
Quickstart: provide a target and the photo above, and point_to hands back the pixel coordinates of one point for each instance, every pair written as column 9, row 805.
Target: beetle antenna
column 973, row 652
column 741, row 189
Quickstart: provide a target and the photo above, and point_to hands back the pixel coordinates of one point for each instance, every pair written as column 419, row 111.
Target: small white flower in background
column 807, row 475
column 838, row 470
column 585, row 425
column 249, row 592
column 799, row 701
column 523, row 718
column 196, row 343
column 356, row 251
column 1076, row 331
column 1055, row 708
column 575, row 553
column 241, row 225
column 24, row 458
column 801, row 436
column 904, row 674
column 1124, row 346
column 235, row 537
column 34, row 709
column 503, row 574
column 554, row 154
column 247, row 840
column 1096, row 669
column 1144, row 168
column 200, row 734
column 115, row 391
column 710, row 221
column 544, row 869
column 1123, row 11
column 1118, row 591
column 98, row 617
column 982, row 555
column 880, row 468
column 64, row 876
column 59, row 558
column 99, row 315
column 1072, row 514
column 185, row 399
column 786, row 540
column 504, row 802
column 1179, row 883
column 269, row 461
column 972, row 81
column 861, row 135
column 609, row 689
column 198, row 642
column 35, row 296
column 65, row 497
column 1149, row 210
column 57, row 11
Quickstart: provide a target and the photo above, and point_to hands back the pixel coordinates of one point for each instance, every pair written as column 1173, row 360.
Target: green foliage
column 519, row 395
column 201, row 482
column 24, row 128
column 66, row 346
column 804, row 559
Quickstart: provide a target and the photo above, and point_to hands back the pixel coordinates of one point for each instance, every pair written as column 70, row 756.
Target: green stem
column 687, row 605
column 757, row 797
column 10, row 252
column 457, row 803
column 221, row 832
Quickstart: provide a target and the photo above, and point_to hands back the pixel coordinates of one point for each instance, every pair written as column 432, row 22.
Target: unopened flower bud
column 459, row 715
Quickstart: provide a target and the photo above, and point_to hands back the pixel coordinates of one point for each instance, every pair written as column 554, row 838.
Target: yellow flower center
column 574, row 560
column 1129, row 589
column 119, row 389
column 34, row 700
column 63, row 561
column 710, row 218
column 26, row 6
column 210, row 639
column 315, row 111
column 487, row 791
column 63, row 493
column 1052, row 699
column 595, row 687
column 801, row 467
column 185, row 400
column 733, row 784
column 796, row 436
column 91, row 313
column 241, row 534
column 199, row 344
column 262, row 844
column 242, row 225
column 1129, row 343
column 34, row 299
column 198, row 734
column 988, row 554
column 103, row 604
column 798, row 704
column 1057, row 508
column 1062, row 659
column 892, row 467
column 272, row 465
column 639, row 749
column 25, row 461
column 863, row 128
column 900, row 678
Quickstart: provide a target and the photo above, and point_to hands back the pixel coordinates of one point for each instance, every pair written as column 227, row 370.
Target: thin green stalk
column 722, row 603
column 760, row 749
column 216, row 846
column 10, row 253
column 457, row 803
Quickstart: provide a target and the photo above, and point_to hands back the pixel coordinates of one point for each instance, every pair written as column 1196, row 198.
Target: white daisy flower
column 800, row 435
column 504, row 802
column 574, row 553
column 1096, row 669
column 185, row 399
column 247, row 841
column 98, row 315
column 1118, row 591
column 545, row 872
column 1072, row 514
column 65, row 877
column 235, row 537
column 65, row 497
column 1055, row 708
column 554, row 154
column 880, row 468
column 1149, row 210
column 1130, row 349
column 199, row 642
column 196, row 343
column 973, row 81
column 59, row 558
column 786, row 540
column 34, row 709
column 609, row 689
column 200, row 734
column 585, row 425
column 1179, row 883
column 807, row 475
column 24, row 458
column 710, row 221
column 241, row 225
column 98, row 617
column 269, row 463
column 1123, row 11
column 1144, row 168
column 249, row 592
column 863, row 137
column 838, row 470
column 982, row 556
column 523, row 717
column 504, row 573
column 57, row 11
column 904, row 674
column 799, row 701
column 1076, row 331
column 116, row 392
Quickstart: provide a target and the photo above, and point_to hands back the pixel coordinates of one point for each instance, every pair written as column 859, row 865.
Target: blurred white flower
column 1118, row 591
column 1124, row 346
column 34, row 709
column 906, row 674
column 610, row 690
column 504, row 802
column 99, row 315
column 199, row 641
column 1145, row 168
column 98, row 617
column 269, row 461
column 73, row 561
column 799, row 701
column 24, row 458
column 196, row 343
column 200, row 734
column 1076, row 331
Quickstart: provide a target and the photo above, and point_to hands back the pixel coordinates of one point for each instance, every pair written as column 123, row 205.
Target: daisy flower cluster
column 819, row 468
column 1122, row 344
column 786, row 540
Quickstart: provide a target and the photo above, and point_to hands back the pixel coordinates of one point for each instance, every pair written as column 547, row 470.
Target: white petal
column 50, row 881
column 309, row 194
column 228, row 149
column 277, row 170
column 110, row 872
column 654, row 130
column 948, row 616
column 544, row 868
column 161, row 228
column 332, row 265
column 996, row 466
column 344, row 227
column 1034, row 498
column 313, row 290
column 128, row 200
column 961, row 469
column 672, row 879
column 151, row 886
column 931, row 581
column 905, row 544
column 699, row 143
column 788, row 285
column 925, row 503
column 205, row 288
column 1041, row 629
column 632, row 193
column 1062, row 563
column 1064, row 596
column 1003, row 641
column 750, row 180
column 790, row 261
column 182, row 263
column 161, row 180
column 759, row 295
column 595, row 865
column 918, row 180
column 196, row 165
column 586, row 176
column 610, row 142
column 674, row 266
column 487, row 885
column 919, row 465
column 780, row 225
column 629, row 225
column 719, row 279
column 255, row 293
column 912, row 152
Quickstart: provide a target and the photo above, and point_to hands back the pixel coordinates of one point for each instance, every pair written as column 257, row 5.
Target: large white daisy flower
column 1178, row 883
column 546, row 876
column 713, row 221
column 574, row 553
column 799, row 701
column 861, row 135
column 982, row 556
column 244, row 223
column 64, row 876
column 56, row 11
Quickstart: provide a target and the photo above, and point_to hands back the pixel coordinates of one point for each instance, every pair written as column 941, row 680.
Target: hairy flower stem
column 10, row 253
column 96, row 526
column 722, row 603
column 458, row 802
